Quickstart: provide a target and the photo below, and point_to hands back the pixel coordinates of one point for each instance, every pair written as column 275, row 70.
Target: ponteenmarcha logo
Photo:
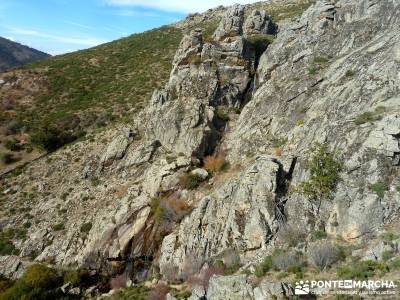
column 360, row 286
column 302, row 288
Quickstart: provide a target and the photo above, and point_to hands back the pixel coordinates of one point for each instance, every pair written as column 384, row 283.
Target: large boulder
column 233, row 287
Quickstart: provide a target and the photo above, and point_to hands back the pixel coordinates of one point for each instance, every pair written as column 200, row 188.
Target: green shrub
column 394, row 264
column 319, row 235
column 379, row 188
column 264, row 267
column 190, row 181
column 320, row 60
column 181, row 295
column 389, row 236
column 6, row 245
column 50, row 138
column 136, row 292
column 388, row 254
column 14, row 126
column 325, row 168
column 349, row 73
column 157, row 209
column 4, row 284
column 27, row 225
column 361, row 270
column 64, row 196
column 39, row 276
column 278, row 142
column 37, row 283
column 86, row 227
column 370, row 117
column 75, row 277
column 95, row 182
column 12, row 145
column 299, row 122
column 260, row 42
column 222, row 114
column 313, row 70
column 7, row 158
column 58, row 227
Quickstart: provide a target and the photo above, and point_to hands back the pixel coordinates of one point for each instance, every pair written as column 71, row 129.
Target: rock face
column 313, row 80
column 229, row 287
column 258, row 23
column 204, row 75
column 12, row 267
column 242, row 215
column 232, row 23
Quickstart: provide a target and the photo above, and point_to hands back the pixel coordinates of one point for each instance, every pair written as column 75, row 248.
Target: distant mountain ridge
column 13, row 54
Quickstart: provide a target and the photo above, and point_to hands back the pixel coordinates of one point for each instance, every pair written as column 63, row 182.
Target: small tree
column 325, row 168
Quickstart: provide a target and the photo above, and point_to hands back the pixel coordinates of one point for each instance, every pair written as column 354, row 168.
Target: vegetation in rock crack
column 75, row 277
column 260, row 42
column 325, row 167
column 370, row 116
column 168, row 209
column 190, row 181
column 216, row 163
column 379, row 188
column 85, row 228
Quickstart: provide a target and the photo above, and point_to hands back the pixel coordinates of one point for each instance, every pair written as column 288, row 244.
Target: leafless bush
column 323, row 254
column 159, row 292
column 230, row 257
column 191, row 266
column 286, row 260
column 292, row 234
column 170, row 272
column 119, row 281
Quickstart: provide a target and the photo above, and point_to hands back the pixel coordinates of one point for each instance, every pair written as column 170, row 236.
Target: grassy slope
column 115, row 78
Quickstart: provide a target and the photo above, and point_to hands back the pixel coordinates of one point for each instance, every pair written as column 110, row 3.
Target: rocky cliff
column 268, row 136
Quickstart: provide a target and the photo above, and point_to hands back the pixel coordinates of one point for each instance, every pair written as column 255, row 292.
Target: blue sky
column 60, row 26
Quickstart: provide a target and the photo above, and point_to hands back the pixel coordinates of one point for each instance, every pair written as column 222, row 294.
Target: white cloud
column 185, row 6
column 82, row 41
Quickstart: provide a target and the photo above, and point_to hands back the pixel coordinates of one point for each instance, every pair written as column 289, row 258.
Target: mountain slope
column 270, row 155
column 70, row 95
column 13, row 54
